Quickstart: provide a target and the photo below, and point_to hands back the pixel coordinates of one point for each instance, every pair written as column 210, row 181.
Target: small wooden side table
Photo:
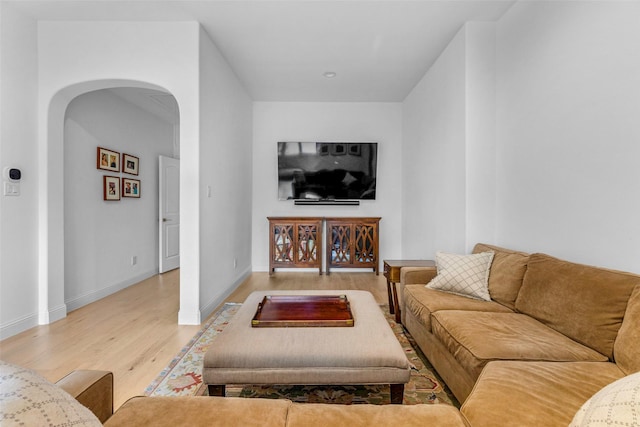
column 392, row 273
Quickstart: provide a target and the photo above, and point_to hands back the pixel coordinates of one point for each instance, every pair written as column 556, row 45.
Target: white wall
column 295, row 121
column 480, row 155
column 567, row 182
column 568, row 109
column 75, row 57
column 102, row 236
column 449, row 149
column 226, row 169
column 433, row 161
column 48, row 64
column 18, row 148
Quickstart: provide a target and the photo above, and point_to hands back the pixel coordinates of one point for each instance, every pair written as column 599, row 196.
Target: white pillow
column 465, row 275
column 26, row 398
column 617, row 404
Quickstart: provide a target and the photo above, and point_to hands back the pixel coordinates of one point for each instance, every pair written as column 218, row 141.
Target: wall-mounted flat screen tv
column 327, row 170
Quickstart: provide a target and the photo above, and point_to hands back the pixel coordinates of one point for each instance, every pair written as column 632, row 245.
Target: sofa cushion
column 617, row 404
column 583, row 302
column 200, row 411
column 534, row 393
column 506, row 274
column 465, row 275
column 321, row 415
column 28, row 399
column 422, row 302
column 626, row 350
column 476, row 338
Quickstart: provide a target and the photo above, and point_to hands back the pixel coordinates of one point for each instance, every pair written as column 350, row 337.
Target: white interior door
column 169, row 213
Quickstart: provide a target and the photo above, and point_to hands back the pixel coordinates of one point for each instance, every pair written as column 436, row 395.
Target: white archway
column 51, row 304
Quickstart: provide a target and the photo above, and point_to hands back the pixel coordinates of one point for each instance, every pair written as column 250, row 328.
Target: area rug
column 183, row 375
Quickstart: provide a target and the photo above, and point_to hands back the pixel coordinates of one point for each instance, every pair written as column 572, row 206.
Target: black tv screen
column 327, row 170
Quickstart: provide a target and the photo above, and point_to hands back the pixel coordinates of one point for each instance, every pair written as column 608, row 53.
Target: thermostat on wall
column 12, row 174
column 11, row 181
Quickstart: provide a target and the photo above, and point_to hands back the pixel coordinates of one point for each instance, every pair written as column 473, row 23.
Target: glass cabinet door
column 283, row 243
column 341, row 244
column 364, row 243
column 307, row 247
column 295, row 242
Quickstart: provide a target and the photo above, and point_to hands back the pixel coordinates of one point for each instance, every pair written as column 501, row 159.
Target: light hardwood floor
column 134, row 333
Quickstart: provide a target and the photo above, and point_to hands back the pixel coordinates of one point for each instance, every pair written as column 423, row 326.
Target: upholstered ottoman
column 367, row 353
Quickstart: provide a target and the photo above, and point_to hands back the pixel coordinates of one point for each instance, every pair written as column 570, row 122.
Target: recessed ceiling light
column 329, row 74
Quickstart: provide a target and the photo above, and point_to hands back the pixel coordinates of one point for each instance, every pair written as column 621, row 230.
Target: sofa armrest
column 93, row 389
column 412, row 276
column 417, row 275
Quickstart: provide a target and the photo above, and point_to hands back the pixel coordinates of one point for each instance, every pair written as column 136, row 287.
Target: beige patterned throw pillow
column 28, row 399
column 465, row 275
column 617, row 404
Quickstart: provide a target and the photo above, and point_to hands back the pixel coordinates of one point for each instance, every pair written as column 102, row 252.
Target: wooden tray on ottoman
column 303, row 311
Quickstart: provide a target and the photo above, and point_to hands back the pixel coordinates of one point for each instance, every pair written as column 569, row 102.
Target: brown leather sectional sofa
column 94, row 389
column 554, row 334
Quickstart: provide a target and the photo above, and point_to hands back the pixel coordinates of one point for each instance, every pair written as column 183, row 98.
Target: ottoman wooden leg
column 216, row 390
column 397, row 393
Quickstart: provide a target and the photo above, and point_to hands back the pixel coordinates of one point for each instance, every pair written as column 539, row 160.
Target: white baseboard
column 29, row 321
column 186, row 318
column 93, row 296
column 213, row 304
column 56, row 313
column 16, row 326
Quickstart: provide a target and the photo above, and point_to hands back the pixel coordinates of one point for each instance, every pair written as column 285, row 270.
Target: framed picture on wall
column 354, row 149
column 130, row 164
column 338, row 149
column 111, row 188
column 108, row 160
column 130, row 187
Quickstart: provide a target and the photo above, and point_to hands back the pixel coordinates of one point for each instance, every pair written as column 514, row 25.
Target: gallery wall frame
column 130, row 164
column 108, row 160
column 116, row 187
column 131, row 188
column 111, row 188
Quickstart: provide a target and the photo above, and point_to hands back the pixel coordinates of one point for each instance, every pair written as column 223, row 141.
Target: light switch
column 11, row 189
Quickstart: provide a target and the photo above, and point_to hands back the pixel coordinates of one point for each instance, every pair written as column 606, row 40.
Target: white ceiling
column 280, row 49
